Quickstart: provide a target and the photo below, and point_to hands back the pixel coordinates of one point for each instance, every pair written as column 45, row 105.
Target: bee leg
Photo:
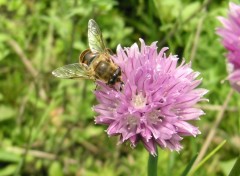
column 96, row 87
column 121, row 86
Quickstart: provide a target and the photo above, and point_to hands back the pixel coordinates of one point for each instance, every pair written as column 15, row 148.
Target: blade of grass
column 208, row 157
column 189, row 166
column 213, row 130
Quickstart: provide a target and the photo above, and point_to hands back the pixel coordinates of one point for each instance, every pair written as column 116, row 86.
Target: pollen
column 154, row 117
column 132, row 122
column 139, row 101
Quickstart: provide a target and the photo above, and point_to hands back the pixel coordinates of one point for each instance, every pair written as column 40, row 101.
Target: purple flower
column 156, row 102
column 230, row 33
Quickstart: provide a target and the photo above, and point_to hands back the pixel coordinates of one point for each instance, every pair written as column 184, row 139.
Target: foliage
column 47, row 125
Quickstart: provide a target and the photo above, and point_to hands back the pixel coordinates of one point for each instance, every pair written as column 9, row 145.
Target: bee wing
column 95, row 39
column 72, row 71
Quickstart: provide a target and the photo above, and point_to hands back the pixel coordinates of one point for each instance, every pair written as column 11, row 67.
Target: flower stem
column 152, row 165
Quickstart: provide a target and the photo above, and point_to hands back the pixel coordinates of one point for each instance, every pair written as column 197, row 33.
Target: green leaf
column 2, row 2
column 6, row 113
column 92, row 131
column 168, row 10
column 55, row 169
column 189, row 10
column 77, row 11
column 3, row 37
column 9, row 157
column 236, row 168
column 227, row 165
column 8, row 170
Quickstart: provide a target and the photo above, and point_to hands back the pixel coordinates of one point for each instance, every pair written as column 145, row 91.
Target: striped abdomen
column 87, row 57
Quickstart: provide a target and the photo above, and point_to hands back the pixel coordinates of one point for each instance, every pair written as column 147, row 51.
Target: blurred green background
column 47, row 124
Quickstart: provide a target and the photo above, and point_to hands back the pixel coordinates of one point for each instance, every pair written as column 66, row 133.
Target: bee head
column 116, row 77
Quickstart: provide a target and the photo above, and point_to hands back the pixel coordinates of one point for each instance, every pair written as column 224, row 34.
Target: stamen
column 154, row 117
column 132, row 122
column 139, row 101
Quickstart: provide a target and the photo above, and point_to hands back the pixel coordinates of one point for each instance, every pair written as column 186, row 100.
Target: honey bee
column 95, row 63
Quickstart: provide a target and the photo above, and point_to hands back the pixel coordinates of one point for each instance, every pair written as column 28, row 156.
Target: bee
column 95, row 63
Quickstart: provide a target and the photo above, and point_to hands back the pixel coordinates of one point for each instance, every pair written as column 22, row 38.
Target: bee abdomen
column 87, row 57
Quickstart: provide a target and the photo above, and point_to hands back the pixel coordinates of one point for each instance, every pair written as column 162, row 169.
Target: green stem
column 152, row 165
